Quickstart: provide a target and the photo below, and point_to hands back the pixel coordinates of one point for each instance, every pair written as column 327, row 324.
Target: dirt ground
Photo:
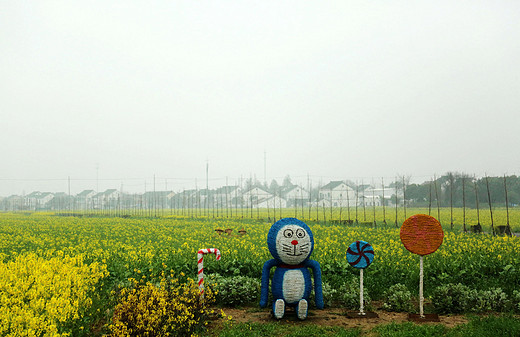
column 333, row 317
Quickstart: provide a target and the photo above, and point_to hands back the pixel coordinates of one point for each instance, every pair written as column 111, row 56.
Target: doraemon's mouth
column 292, row 250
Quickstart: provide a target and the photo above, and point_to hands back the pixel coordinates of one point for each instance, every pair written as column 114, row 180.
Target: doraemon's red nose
column 294, row 242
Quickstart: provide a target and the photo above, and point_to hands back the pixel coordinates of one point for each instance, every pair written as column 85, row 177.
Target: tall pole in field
column 227, row 206
column 430, row 200
column 404, row 197
column 331, row 201
column 357, row 202
column 301, row 198
column 451, row 200
column 476, row 202
column 206, row 199
column 383, row 201
column 309, row 188
column 374, row 206
column 396, row 202
column 241, row 198
column 507, row 206
column 318, row 204
column 348, row 204
column 364, row 204
column 490, row 207
column 437, row 198
column 154, row 198
column 340, row 205
column 463, row 204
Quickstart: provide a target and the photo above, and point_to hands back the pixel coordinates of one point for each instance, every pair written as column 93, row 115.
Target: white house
column 295, row 195
column 228, row 196
column 271, row 202
column 338, row 193
column 107, row 199
column 84, row 199
column 255, row 194
column 378, row 194
column 38, row 200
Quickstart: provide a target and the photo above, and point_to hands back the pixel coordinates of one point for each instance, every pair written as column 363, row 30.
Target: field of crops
column 62, row 270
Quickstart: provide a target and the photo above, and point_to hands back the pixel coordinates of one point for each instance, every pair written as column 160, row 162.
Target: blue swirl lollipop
column 360, row 254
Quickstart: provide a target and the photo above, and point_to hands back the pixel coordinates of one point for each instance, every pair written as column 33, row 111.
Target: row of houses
column 333, row 194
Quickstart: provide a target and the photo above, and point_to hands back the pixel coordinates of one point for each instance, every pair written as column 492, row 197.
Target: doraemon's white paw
column 279, row 308
column 302, row 309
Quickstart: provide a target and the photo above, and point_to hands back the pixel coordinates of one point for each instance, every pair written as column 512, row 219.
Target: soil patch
column 333, row 317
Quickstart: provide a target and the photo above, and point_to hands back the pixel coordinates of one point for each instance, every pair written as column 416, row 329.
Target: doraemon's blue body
column 290, row 242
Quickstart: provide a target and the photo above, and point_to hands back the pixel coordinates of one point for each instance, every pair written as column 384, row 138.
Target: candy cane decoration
column 200, row 257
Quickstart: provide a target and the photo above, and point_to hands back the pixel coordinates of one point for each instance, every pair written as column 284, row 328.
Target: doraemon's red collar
column 292, row 266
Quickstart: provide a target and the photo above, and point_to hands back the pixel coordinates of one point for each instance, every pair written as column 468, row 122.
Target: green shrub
column 330, row 295
column 397, row 298
column 493, row 299
column 349, row 295
column 235, row 290
column 516, row 300
column 452, row 298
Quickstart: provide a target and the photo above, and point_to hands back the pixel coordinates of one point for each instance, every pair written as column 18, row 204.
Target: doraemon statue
column 290, row 242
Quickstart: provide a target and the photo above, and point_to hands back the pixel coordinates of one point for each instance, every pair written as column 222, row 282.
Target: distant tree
column 287, row 182
column 418, row 193
column 274, row 187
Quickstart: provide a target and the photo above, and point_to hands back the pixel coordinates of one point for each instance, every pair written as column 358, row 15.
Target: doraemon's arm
column 264, row 294
column 316, row 271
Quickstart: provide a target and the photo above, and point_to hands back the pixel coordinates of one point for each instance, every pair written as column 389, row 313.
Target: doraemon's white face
column 293, row 244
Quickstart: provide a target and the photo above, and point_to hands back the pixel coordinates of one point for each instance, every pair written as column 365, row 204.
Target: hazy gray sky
column 334, row 89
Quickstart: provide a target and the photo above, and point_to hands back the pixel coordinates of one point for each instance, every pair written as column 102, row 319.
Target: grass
column 492, row 326
column 277, row 329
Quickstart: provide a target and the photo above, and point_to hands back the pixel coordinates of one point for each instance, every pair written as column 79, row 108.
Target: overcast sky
column 115, row 92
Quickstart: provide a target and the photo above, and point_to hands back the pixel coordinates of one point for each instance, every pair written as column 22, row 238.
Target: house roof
column 258, row 187
column 85, row 193
column 332, row 185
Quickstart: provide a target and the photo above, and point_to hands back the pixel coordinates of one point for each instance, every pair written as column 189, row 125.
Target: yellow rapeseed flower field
column 47, row 251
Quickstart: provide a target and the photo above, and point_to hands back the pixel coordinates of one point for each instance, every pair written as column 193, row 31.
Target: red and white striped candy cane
column 200, row 257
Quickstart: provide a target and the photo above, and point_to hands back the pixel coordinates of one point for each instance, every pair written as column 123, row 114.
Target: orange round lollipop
column 421, row 234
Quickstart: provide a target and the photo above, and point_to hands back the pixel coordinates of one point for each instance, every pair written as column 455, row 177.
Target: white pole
column 361, row 306
column 421, row 297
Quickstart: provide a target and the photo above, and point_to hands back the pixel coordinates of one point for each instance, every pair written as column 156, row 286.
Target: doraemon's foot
column 302, row 309
column 279, row 308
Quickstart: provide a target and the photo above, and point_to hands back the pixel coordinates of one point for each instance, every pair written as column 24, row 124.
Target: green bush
column 397, row 298
column 349, row 295
column 452, row 298
column 516, row 300
column 235, row 290
column 329, row 295
column 493, row 299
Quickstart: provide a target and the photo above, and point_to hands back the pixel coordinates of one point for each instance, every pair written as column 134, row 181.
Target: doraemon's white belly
column 293, row 285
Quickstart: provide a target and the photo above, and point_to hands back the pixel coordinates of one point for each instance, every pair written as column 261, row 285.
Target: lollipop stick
column 421, row 297
column 361, row 307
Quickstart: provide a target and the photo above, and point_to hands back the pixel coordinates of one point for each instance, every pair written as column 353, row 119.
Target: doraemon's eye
column 288, row 233
column 300, row 233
